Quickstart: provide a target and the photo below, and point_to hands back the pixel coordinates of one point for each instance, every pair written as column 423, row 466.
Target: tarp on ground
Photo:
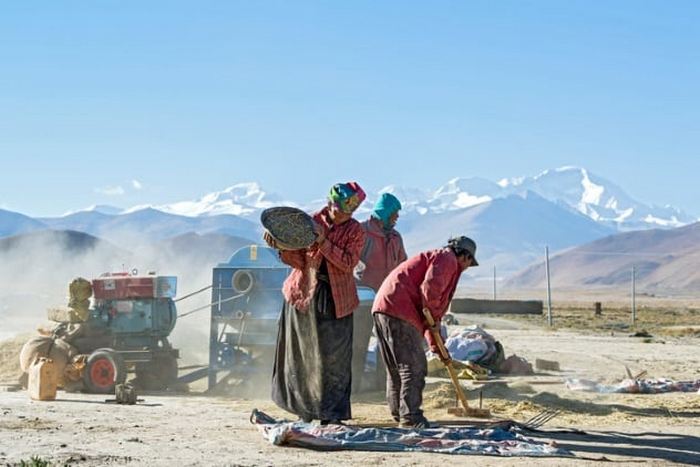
column 498, row 441
column 634, row 386
column 471, row 343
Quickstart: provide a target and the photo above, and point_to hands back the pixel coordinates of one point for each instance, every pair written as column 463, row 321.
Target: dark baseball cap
column 463, row 245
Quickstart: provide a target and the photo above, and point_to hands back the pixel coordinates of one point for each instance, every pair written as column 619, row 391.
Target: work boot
column 335, row 421
column 421, row 424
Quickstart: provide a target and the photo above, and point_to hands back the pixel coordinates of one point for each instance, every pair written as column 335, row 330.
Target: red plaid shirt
column 341, row 249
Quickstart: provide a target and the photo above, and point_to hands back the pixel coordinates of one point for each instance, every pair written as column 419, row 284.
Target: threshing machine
column 247, row 299
column 246, row 304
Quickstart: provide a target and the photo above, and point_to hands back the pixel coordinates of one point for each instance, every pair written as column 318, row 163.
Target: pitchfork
column 541, row 418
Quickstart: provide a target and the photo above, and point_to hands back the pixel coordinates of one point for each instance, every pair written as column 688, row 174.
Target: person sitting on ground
column 311, row 376
column 425, row 281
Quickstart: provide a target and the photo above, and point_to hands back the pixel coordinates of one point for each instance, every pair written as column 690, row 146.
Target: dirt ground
column 662, row 429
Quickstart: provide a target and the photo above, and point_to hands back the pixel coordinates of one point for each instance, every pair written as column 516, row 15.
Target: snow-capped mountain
column 510, row 232
column 242, row 199
column 597, row 198
column 460, row 193
column 412, row 199
column 572, row 187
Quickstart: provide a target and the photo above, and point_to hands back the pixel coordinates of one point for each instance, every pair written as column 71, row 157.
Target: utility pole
column 634, row 304
column 494, row 283
column 549, row 286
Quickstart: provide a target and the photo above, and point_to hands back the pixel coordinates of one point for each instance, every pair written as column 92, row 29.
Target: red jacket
column 383, row 251
column 427, row 280
column 341, row 249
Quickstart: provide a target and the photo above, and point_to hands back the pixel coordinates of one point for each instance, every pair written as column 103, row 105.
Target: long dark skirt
column 311, row 376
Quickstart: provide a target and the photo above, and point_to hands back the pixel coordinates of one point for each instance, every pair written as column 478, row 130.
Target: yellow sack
column 473, row 371
column 80, row 290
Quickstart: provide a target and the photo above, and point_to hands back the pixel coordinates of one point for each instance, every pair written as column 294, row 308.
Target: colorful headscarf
column 347, row 196
column 385, row 207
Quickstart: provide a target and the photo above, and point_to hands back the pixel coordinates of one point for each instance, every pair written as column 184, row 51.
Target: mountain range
column 574, row 188
column 512, row 220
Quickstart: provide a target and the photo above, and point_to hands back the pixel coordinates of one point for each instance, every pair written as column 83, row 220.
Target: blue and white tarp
column 496, row 441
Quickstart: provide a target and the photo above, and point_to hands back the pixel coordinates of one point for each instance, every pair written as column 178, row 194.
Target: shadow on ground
column 672, row 447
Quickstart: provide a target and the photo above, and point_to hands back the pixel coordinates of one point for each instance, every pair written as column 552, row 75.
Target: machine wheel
column 104, row 369
column 159, row 374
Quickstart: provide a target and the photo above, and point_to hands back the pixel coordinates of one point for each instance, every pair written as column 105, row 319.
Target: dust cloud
column 36, row 269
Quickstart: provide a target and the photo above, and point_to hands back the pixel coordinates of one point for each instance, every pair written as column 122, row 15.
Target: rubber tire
column 98, row 357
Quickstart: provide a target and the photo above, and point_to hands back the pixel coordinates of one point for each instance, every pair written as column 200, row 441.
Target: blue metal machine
column 247, row 299
column 246, row 304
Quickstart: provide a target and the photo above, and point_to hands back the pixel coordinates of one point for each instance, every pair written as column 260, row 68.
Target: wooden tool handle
column 436, row 334
column 458, row 387
column 446, row 357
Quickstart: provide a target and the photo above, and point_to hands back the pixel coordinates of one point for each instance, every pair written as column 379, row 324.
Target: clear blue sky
column 191, row 97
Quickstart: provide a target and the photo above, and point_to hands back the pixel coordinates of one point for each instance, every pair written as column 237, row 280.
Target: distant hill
column 664, row 261
column 38, row 266
column 209, row 249
column 150, row 225
column 12, row 223
column 67, row 249
column 510, row 232
column 66, row 242
column 83, row 221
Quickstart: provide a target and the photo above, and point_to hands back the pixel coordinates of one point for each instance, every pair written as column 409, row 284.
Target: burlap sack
column 64, row 331
column 64, row 314
column 60, row 352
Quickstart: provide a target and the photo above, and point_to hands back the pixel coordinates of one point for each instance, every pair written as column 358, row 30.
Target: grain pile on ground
column 438, row 396
column 521, row 401
column 10, row 369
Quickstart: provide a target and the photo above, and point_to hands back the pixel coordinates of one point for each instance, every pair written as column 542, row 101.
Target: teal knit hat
column 385, row 207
